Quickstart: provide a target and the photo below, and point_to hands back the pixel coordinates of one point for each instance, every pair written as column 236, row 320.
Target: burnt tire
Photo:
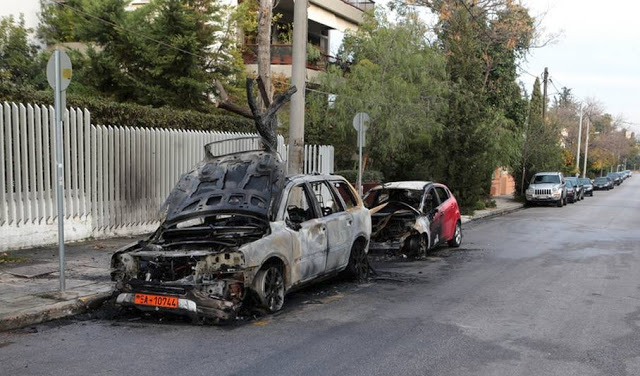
column 269, row 285
column 457, row 236
column 358, row 266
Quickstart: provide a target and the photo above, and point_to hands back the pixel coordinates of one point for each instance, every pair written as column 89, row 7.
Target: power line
column 554, row 86
column 382, row 104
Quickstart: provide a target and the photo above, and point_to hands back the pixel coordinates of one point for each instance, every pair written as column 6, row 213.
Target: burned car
column 237, row 230
column 413, row 217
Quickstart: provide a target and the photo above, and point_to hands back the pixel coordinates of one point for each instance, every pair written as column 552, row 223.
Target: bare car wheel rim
column 360, row 263
column 274, row 289
column 458, row 235
column 424, row 247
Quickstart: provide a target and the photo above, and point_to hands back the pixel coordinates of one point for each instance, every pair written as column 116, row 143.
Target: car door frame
column 339, row 227
column 310, row 241
column 434, row 217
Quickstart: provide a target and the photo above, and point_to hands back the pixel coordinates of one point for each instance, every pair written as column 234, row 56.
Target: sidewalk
column 29, row 279
column 504, row 205
column 30, row 287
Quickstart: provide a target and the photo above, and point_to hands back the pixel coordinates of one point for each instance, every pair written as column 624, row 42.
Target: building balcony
column 282, row 54
column 364, row 5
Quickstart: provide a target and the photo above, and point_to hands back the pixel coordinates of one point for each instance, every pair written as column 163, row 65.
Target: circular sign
column 65, row 70
column 359, row 120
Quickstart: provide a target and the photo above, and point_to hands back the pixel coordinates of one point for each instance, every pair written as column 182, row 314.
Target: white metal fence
column 114, row 177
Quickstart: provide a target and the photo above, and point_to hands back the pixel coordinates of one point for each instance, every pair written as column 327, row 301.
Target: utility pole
column 545, row 80
column 586, row 150
column 264, row 48
column 298, row 70
column 579, row 138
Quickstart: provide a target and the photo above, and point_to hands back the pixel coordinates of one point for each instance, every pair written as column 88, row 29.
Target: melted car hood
column 247, row 182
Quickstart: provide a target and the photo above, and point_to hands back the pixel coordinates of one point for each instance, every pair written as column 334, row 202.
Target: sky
column 597, row 54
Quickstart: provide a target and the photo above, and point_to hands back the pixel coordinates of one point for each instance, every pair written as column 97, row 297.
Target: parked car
column 547, row 187
column 588, row 186
column 617, row 180
column 236, row 227
column 603, row 183
column 572, row 191
column 579, row 187
column 413, row 217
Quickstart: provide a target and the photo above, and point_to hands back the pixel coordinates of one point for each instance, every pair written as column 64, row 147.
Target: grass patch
column 6, row 258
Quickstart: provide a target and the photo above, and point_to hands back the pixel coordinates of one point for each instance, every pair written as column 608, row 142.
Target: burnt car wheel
column 457, row 237
column 270, row 288
column 358, row 266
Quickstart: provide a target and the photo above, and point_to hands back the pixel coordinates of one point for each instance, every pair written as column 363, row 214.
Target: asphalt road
column 543, row 291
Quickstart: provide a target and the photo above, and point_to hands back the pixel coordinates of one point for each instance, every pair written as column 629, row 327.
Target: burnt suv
column 547, row 187
column 236, row 230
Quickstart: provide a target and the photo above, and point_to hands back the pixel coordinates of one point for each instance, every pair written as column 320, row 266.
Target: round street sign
column 65, row 71
column 361, row 118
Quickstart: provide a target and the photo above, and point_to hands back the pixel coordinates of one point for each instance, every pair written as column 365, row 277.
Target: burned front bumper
column 187, row 300
column 390, row 245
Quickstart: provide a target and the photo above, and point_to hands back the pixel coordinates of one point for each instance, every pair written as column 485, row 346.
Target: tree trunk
column 264, row 48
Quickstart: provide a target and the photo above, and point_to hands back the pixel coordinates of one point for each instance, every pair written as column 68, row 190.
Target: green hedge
column 107, row 112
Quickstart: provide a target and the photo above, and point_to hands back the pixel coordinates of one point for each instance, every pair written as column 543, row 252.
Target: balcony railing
column 361, row 4
column 282, row 54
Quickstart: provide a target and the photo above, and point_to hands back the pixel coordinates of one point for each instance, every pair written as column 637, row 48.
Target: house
column 328, row 22
column 502, row 183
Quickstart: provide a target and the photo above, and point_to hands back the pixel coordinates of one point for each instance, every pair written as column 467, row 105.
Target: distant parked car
column 578, row 186
column 603, row 183
column 572, row 191
column 617, row 180
column 547, row 187
column 588, row 186
column 413, row 217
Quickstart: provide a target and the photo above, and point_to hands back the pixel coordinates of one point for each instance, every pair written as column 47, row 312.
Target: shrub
column 479, row 205
column 107, row 112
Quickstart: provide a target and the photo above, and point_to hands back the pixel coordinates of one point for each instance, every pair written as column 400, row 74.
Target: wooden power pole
column 544, row 94
column 298, row 71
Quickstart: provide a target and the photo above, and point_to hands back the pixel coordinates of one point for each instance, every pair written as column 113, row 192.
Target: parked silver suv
column 547, row 187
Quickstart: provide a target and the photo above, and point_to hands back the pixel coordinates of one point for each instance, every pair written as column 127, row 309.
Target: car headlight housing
column 555, row 190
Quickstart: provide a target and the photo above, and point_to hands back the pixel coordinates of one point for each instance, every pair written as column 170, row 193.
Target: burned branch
column 267, row 121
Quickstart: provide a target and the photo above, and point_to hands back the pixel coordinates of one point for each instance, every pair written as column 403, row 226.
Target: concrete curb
column 54, row 311
column 491, row 214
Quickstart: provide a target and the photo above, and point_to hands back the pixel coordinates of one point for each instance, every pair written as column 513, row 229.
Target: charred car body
column 236, row 227
column 413, row 217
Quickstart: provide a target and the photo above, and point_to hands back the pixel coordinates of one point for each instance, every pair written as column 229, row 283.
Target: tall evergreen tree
column 168, row 52
column 541, row 149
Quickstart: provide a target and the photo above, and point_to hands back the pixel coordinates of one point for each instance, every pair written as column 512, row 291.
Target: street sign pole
column 360, row 126
column 59, row 165
column 59, row 77
column 360, row 158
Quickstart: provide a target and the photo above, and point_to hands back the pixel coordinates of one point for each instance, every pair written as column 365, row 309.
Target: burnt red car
column 413, row 217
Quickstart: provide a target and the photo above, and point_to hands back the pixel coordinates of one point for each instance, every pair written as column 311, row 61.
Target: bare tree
column 266, row 120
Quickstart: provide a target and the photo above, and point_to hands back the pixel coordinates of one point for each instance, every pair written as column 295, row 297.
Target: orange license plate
column 156, row 300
